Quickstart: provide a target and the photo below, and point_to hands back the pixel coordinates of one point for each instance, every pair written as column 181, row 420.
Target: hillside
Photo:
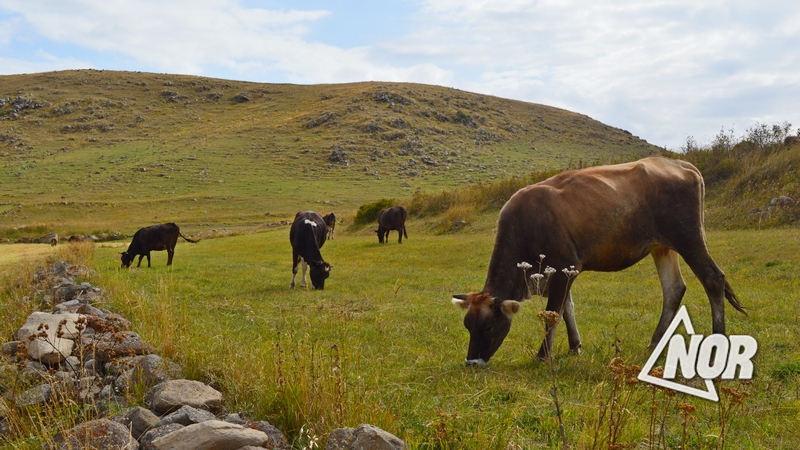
column 87, row 150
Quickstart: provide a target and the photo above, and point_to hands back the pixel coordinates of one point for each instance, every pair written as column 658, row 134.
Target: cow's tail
column 187, row 239
column 732, row 299
column 405, row 214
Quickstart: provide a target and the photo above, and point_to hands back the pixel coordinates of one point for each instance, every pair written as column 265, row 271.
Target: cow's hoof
column 476, row 362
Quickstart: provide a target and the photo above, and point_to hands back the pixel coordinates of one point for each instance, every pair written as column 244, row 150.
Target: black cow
column 392, row 219
column 330, row 222
column 307, row 236
column 153, row 238
column 602, row 219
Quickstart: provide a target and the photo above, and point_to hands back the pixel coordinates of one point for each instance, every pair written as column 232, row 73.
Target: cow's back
column 637, row 203
column 300, row 227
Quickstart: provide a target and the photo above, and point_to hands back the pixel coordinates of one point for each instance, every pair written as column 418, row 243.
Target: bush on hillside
column 369, row 213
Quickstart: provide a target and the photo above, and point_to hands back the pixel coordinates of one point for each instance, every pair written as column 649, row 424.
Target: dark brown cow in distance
column 153, row 238
column 307, row 235
column 604, row 219
column 330, row 222
column 392, row 219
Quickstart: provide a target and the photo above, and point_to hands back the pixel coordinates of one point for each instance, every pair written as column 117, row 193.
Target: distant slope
column 102, row 150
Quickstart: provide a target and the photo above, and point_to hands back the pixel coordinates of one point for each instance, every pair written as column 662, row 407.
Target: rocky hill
column 92, row 150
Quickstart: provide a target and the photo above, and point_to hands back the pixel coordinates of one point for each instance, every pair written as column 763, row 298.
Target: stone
column 211, row 435
column 138, row 420
column 170, row 395
column 146, row 441
column 783, row 200
column 153, row 369
column 97, row 434
column 235, row 418
column 369, row 437
column 38, row 395
column 10, row 348
column 52, row 323
column 277, row 440
column 340, row 439
column 113, row 345
column 50, row 352
column 186, row 416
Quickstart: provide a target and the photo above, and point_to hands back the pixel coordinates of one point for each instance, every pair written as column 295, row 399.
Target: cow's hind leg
column 713, row 280
column 303, row 279
column 672, row 288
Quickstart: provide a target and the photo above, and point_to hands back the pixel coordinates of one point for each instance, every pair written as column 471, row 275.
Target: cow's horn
column 460, row 296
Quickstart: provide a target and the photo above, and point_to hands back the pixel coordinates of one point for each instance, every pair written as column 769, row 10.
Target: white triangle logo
column 682, row 316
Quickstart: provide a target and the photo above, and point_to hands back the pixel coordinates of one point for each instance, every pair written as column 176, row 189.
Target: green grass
column 382, row 344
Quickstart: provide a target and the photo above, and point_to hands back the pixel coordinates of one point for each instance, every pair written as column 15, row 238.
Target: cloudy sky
column 661, row 69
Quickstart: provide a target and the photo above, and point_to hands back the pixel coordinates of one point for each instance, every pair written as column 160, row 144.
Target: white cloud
column 661, row 69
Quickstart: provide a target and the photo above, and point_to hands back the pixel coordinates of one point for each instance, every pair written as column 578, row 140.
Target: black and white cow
column 307, row 236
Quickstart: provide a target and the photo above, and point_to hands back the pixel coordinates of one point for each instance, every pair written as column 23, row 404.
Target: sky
column 665, row 70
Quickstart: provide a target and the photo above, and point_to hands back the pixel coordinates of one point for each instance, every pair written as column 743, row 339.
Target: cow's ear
column 460, row 300
column 509, row 308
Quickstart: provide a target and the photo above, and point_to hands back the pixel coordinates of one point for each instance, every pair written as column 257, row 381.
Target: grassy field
column 382, row 344
column 101, row 151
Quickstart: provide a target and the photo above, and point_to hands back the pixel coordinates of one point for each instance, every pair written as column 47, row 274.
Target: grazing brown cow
column 330, row 222
column 392, row 219
column 605, row 219
column 307, row 235
column 153, row 238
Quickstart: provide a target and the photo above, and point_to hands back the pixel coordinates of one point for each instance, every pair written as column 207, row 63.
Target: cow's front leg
column 294, row 271
column 572, row 327
column 557, row 295
column 139, row 264
column 170, row 253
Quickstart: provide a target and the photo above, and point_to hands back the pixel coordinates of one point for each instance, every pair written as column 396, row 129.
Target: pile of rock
column 90, row 356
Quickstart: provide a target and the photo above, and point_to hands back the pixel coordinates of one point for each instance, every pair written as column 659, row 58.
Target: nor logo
column 707, row 357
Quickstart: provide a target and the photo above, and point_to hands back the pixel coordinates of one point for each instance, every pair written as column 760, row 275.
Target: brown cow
column 392, row 219
column 605, row 219
column 330, row 222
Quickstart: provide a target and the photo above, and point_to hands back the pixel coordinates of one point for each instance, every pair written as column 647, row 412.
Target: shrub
column 369, row 213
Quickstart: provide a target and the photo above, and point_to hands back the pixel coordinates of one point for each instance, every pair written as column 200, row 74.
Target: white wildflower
column 549, row 270
column 537, row 276
column 524, row 265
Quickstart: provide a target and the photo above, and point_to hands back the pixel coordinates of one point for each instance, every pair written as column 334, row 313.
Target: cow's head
column 319, row 271
column 127, row 259
column 488, row 320
column 379, row 232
